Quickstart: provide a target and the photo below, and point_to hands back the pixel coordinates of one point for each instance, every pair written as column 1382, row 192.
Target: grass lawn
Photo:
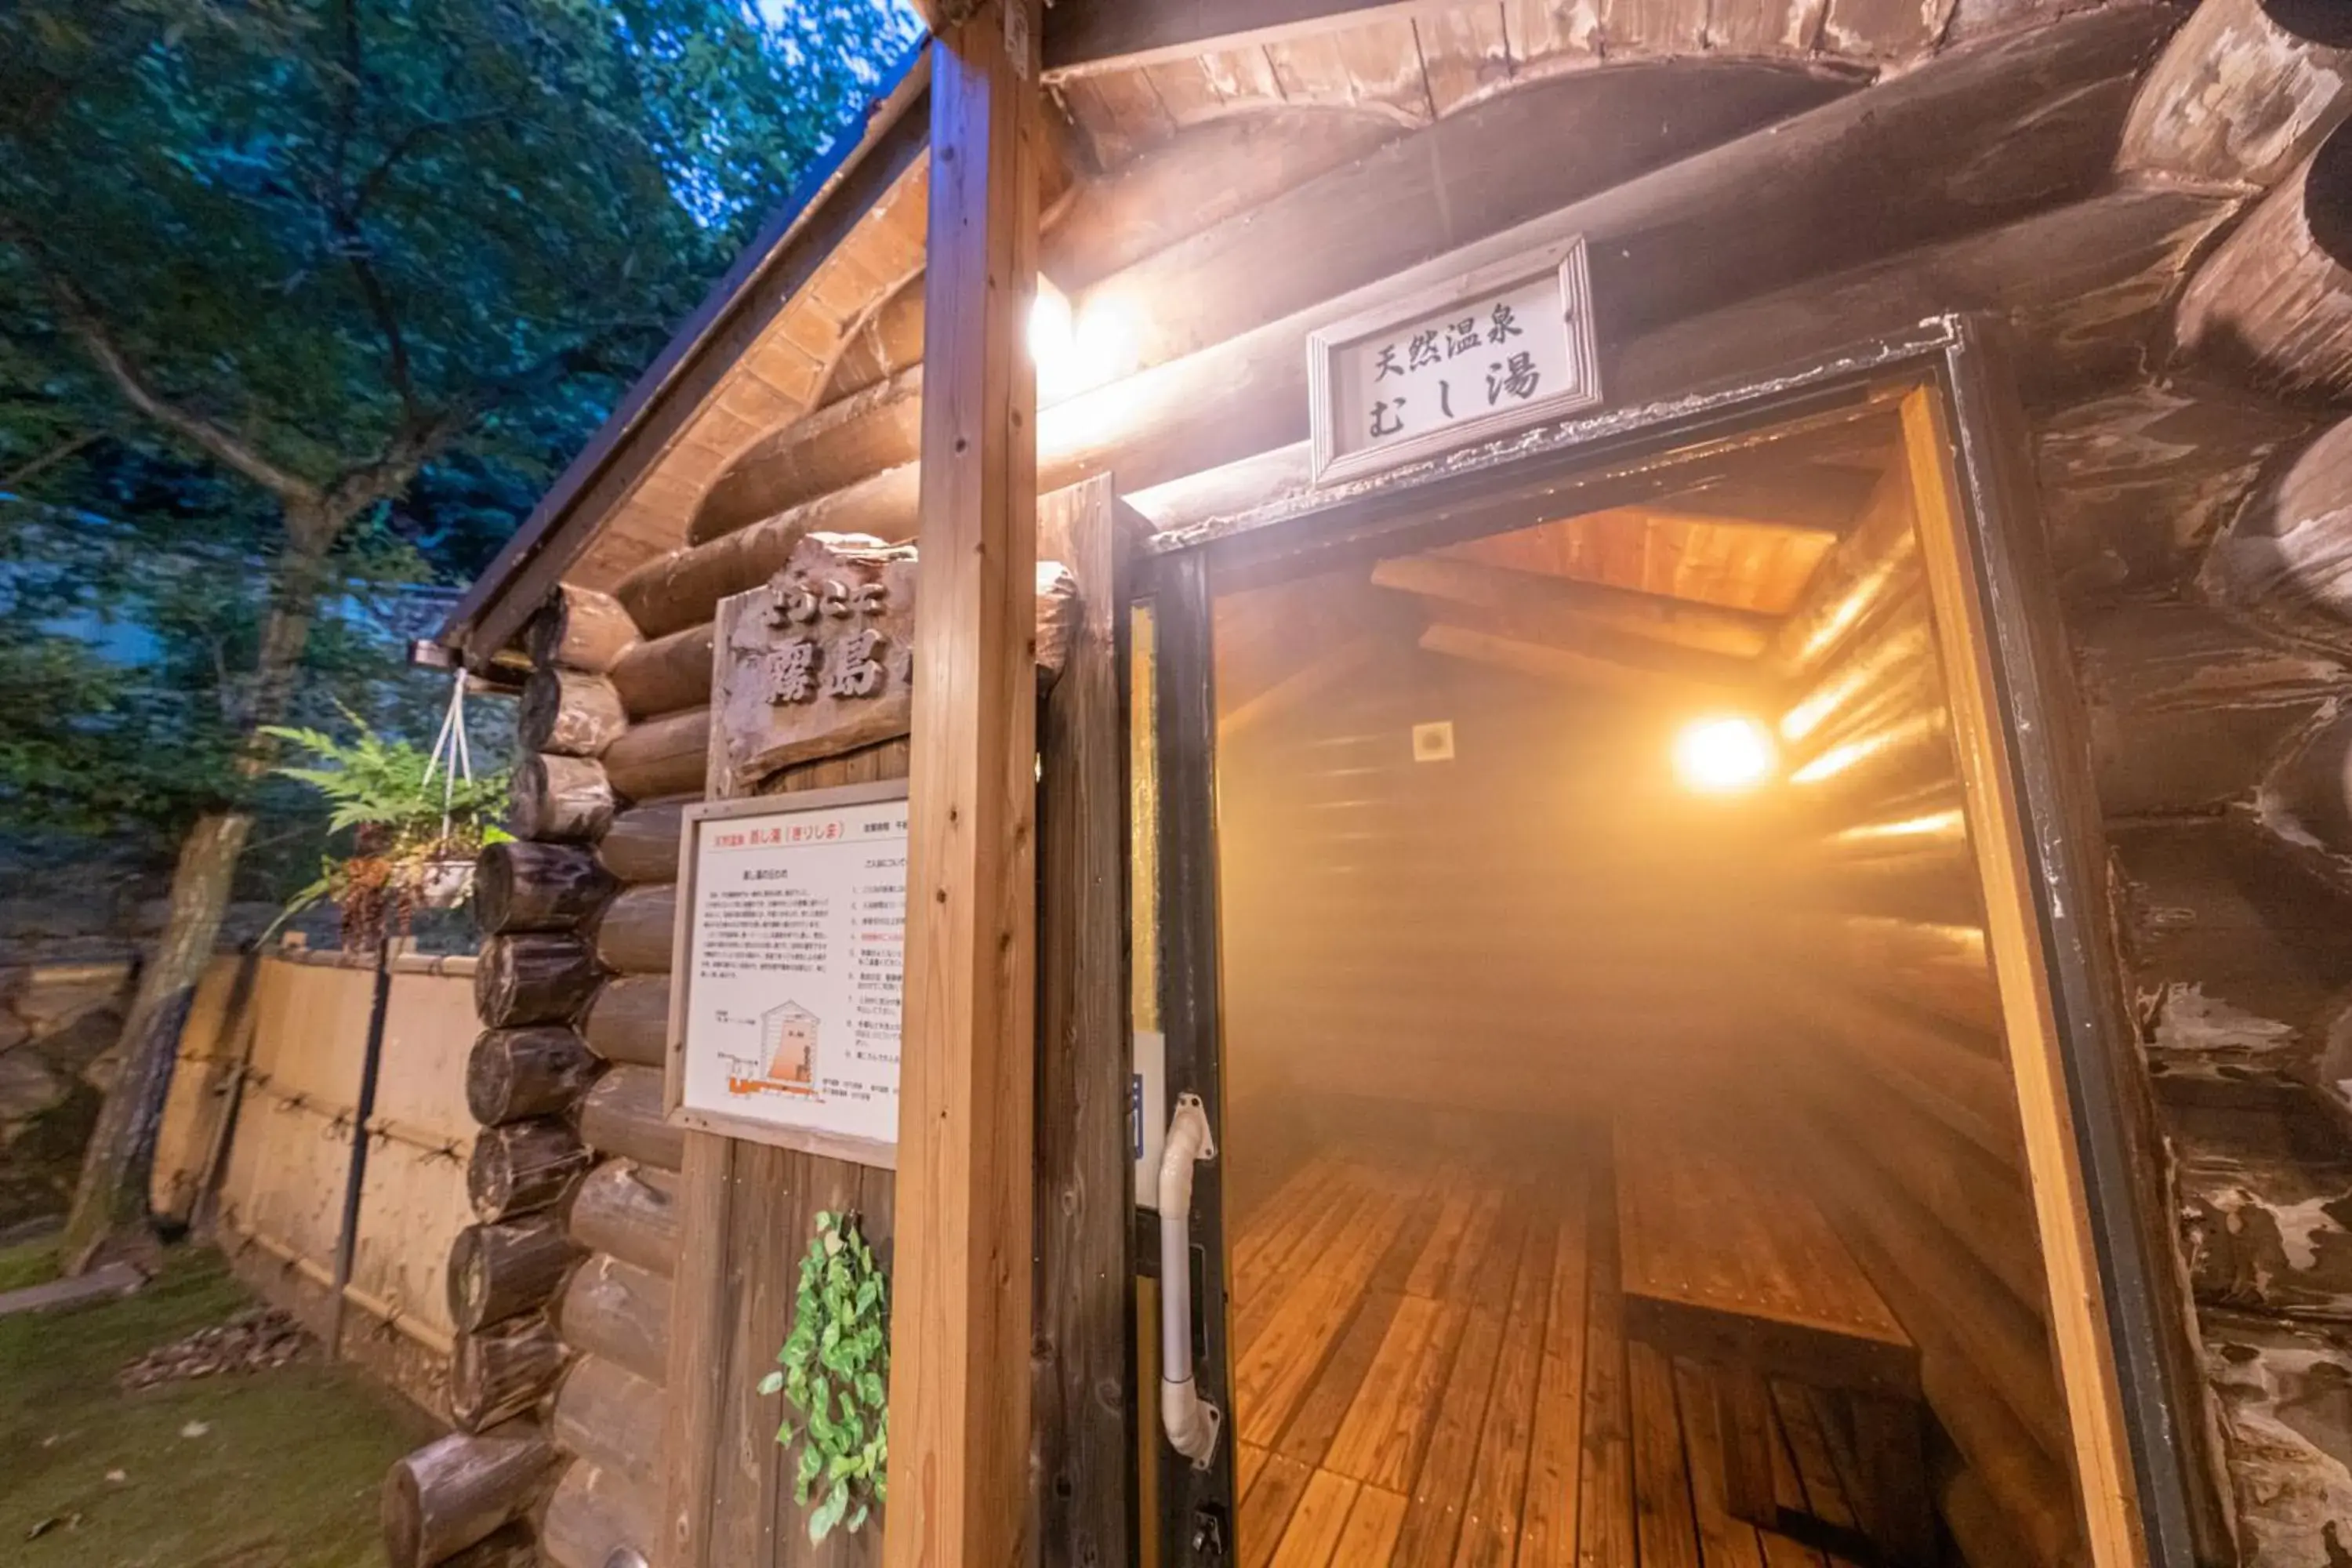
column 283, row 1473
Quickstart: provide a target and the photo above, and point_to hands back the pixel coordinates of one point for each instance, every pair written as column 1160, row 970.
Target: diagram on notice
column 787, row 1060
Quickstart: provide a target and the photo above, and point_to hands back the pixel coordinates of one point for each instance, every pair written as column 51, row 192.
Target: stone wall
column 71, row 928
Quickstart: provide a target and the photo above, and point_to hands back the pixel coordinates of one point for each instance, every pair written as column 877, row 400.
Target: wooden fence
column 257, row 1142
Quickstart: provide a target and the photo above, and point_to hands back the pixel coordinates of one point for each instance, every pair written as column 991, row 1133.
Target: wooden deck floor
column 1429, row 1370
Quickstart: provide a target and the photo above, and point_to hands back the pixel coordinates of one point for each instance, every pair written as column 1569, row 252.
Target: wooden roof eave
column 857, row 169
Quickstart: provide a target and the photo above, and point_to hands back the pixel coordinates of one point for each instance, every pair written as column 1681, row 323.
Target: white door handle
column 1190, row 1421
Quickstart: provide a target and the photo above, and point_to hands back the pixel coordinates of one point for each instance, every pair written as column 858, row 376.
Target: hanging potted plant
column 416, row 827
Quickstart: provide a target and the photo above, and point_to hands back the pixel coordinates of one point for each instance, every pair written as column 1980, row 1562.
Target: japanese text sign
column 784, row 1025
column 1499, row 348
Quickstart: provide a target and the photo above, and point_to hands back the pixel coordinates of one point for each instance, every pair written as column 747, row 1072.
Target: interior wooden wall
column 1900, row 1111
column 1491, row 934
column 1548, row 928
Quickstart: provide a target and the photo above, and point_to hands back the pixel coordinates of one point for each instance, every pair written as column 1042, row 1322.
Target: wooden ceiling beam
column 1708, row 629
column 1310, row 679
column 1570, row 667
column 1585, row 638
column 1086, row 37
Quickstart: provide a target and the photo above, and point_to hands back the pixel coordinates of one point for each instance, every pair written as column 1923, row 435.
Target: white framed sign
column 1500, row 347
column 789, row 969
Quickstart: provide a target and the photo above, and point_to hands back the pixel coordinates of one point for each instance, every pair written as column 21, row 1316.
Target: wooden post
column 959, row 1348
column 1084, row 1297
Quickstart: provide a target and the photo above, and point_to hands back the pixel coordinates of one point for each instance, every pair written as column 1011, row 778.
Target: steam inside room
column 1619, row 1147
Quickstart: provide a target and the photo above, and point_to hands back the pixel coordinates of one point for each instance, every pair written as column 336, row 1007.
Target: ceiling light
column 1725, row 753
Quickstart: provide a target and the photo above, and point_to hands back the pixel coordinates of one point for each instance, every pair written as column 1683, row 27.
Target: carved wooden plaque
column 816, row 661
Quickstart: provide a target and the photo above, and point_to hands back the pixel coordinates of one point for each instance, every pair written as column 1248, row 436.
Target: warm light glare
column 1077, row 352
column 1050, row 336
column 1721, row 754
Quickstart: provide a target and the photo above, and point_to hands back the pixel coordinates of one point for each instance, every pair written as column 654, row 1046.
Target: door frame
column 2132, row 1386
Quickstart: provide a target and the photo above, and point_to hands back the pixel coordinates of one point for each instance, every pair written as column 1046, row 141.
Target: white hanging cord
column 451, row 752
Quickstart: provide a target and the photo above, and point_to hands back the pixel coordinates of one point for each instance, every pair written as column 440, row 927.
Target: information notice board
column 789, row 971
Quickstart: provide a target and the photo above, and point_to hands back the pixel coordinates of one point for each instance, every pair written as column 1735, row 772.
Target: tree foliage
column 303, row 301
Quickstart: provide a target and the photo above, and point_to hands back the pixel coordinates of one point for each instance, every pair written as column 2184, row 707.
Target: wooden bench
column 1732, row 1267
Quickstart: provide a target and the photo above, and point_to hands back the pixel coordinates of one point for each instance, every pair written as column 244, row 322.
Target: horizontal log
column 2045, row 106
column 2281, row 558
column 579, row 628
column 533, row 978
column 623, row 1115
column 558, row 798
column 460, row 1490
column 594, row 1516
column 680, row 590
column 523, row 884
column 665, row 674
column 629, row 1020
column 2080, row 286
column 501, row 1372
column 2187, row 705
column 1280, row 256
column 816, row 455
column 1913, row 860
column 1871, row 567
column 569, row 714
column 513, row 1075
column 618, row 1311
column 1942, row 969
column 1957, row 1083
column 2136, row 484
column 1982, row 1203
column 635, row 935
column 629, row 1210
column 661, row 756
column 1979, row 1528
column 523, row 1167
column 1706, row 629
column 2242, row 94
column 605, row 1414
column 1937, row 1289
column 501, row 1271
column 642, row 845
column 511, row 1546
column 1897, row 655
column 2034, row 1495
column 2273, row 303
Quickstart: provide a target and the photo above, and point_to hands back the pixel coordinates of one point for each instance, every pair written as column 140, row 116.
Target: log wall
column 560, row 1288
column 2220, row 733
column 1898, row 1106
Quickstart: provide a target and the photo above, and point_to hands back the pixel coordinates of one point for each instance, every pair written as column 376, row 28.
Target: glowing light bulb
column 1052, row 338
column 1720, row 755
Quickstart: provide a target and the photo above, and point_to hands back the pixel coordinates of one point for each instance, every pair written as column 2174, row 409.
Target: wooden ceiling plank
column 1464, row 53
column 1185, row 91
column 1540, row 29
column 1086, row 37
column 1654, row 26
column 1571, row 667
column 1572, row 632
column 1706, row 628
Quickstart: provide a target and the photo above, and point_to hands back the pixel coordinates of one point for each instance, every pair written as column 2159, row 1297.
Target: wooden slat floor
column 1430, row 1372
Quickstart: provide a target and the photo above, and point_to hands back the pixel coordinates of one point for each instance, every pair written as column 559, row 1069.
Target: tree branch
column 131, row 383
column 49, row 460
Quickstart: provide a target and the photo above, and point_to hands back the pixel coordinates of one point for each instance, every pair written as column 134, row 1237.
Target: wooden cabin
column 1620, row 731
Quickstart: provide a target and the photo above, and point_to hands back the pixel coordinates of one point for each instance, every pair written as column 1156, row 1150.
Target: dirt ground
column 277, row 1469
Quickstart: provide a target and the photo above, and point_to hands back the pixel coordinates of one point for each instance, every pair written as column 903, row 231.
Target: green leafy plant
column 404, row 826
column 837, row 1377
